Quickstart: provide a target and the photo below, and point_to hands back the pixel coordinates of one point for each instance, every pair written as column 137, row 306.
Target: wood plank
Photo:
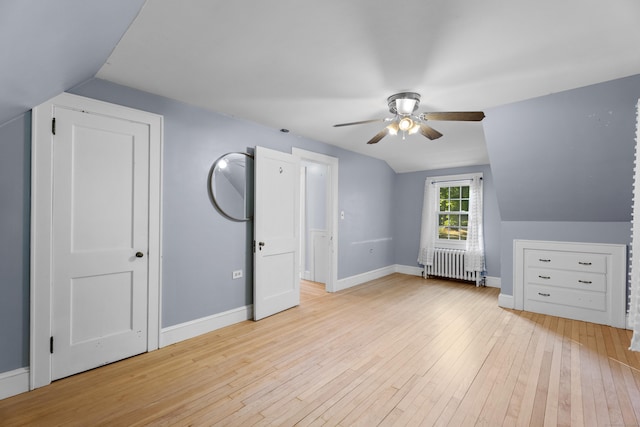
column 577, row 413
column 399, row 350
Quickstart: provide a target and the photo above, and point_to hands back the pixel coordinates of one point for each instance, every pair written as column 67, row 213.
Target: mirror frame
column 211, row 184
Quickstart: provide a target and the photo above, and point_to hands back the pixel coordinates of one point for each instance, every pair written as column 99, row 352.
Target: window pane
column 463, row 234
column 464, row 205
column 455, row 206
column 455, row 192
column 454, row 233
column 443, row 219
column 444, row 206
column 464, row 220
column 443, row 233
column 454, row 219
column 444, row 193
column 465, row 192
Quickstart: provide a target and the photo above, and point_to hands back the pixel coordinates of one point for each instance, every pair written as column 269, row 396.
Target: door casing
column 41, row 223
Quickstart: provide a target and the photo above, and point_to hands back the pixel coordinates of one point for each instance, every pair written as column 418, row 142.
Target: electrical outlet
column 237, row 274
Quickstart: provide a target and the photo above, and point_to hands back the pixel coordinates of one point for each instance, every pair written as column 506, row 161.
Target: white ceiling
column 306, row 66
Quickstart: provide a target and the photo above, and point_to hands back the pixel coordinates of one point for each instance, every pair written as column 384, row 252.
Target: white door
column 99, row 240
column 276, row 284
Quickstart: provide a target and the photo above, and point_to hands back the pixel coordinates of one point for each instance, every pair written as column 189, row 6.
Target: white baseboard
column 493, row 282
column 14, row 382
column 359, row 279
column 506, row 301
column 193, row 328
column 408, row 269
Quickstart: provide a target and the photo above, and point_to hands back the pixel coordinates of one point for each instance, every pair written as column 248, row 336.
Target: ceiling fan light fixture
column 406, row 121
column 405, row 124
column 403, row 103
column 405, row 106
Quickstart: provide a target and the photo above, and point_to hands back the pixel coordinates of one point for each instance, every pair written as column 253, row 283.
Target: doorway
column 314, row 233
column 319, row 218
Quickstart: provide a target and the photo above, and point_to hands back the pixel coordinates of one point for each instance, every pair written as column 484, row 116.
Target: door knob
column 139, row 254
column 260, row 245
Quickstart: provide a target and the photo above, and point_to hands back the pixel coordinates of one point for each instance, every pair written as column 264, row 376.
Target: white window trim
column 448, row 181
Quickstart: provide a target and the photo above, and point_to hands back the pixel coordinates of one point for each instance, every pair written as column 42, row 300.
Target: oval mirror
column 230, row 184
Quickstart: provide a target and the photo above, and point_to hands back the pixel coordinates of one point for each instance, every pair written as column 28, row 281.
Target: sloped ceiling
column 306, row 65
column 47, row 47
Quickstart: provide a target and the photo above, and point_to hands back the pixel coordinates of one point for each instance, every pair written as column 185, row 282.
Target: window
column 452, row 218
column 453, row 213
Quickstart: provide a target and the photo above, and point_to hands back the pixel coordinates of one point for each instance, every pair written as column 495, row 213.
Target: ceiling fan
column 403, row 106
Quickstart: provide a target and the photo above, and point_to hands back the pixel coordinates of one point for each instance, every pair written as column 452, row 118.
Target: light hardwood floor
column 395, row 351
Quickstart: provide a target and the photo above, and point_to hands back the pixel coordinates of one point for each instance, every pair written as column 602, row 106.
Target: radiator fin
column 449, row 264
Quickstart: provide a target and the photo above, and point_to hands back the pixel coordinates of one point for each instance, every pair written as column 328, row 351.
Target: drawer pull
column 584, row 263
column 544, row 295
column 544, row 260
column 586, row 282
column 544, row 277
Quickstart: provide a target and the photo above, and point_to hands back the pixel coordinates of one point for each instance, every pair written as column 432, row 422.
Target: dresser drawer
column 593, row 263
column 579, row 280
column 563, row 296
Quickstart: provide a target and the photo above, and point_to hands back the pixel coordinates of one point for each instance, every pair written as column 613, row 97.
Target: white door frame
column 332, row 208
column 303, row 224
column 41, row 223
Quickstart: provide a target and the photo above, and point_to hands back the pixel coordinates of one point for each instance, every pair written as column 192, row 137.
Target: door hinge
column 51, row 345
column 53, row 126
column 254, row 246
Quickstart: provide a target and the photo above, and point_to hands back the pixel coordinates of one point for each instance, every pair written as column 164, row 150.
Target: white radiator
column 449, row 263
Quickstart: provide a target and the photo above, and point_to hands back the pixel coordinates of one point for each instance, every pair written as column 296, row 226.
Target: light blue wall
column 15, row 181
column 566, row 156
column 365, row 240
column 49, row 46
column 407, row 201
column 200, row 247
column 563, row 166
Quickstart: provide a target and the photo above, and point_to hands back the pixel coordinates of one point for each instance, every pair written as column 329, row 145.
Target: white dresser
column 582, row 281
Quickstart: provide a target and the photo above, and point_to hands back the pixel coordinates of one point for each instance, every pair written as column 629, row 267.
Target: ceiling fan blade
column 429, row 132
column 358, row 123
column 463, row 116
column 384, row 132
